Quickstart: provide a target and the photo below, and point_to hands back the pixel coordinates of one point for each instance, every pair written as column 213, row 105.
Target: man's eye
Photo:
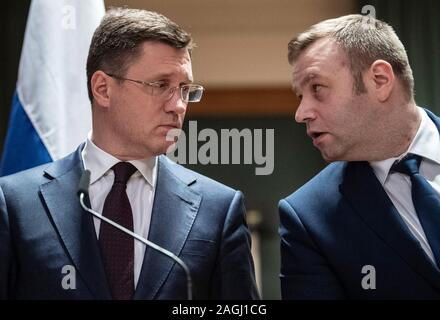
column 185, row 88
column 160, row 84
column 316, row 88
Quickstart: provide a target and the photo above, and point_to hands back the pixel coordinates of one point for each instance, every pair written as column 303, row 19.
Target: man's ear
column 381, row 79
column 100, row 84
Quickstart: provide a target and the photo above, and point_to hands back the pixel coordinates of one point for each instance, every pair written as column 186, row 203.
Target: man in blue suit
column 357, row 230
column 140, row 82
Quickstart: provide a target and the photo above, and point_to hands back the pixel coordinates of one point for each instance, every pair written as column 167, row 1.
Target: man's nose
column 176, row 104
column 305, row 112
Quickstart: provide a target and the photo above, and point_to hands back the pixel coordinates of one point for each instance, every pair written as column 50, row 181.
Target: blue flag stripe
column 23, row 147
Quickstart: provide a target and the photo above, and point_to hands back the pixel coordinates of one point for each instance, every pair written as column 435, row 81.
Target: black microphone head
column 84, row 183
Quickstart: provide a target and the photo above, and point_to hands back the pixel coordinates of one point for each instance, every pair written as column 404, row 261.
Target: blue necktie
column 425, row 199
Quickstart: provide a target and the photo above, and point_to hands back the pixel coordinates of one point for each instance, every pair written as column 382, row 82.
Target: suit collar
column 174, row 210
column 74, row 225
column 64, row 165
column 367, row 196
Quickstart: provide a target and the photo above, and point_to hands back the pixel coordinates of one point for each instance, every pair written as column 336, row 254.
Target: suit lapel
column 365, row 193
column 174, row 210
column 74, row 225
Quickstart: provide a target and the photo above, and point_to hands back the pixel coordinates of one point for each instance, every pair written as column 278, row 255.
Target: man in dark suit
column 140, row 82
column 358, row 230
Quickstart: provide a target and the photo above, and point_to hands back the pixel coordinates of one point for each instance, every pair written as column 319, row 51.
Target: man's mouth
column 315, row 134
column 317, row 137
column 170, row 126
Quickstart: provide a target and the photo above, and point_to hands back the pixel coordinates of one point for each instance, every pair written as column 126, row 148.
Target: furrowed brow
column 305, row 81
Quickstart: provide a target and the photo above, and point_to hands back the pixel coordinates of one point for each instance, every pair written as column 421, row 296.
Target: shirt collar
column 426, row 144
column 100, row 162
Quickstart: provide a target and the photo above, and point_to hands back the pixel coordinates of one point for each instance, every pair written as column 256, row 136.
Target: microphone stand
column 83, row 190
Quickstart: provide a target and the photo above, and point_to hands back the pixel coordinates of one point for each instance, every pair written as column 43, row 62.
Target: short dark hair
column 116, row 41
column 364, row 40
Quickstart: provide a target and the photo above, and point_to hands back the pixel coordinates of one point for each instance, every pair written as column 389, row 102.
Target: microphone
column 83, row 191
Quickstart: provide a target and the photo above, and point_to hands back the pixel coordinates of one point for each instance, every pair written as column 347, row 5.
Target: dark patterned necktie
column 117, row 248
column 426, row 201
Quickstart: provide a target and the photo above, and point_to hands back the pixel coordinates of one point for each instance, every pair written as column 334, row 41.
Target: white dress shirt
column 140, row 191
column 426, row 144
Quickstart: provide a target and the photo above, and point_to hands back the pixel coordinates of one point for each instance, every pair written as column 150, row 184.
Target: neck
column 112, row 145
column 399, row 130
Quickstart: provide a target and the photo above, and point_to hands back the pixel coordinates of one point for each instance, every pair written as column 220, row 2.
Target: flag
column 50, row 114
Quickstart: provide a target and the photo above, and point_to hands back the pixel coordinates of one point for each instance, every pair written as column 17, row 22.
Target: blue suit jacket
column 43, row 228
column 341, row 221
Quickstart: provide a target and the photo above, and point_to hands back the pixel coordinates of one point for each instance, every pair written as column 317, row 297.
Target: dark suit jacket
column 43, row 228
column 341, row 221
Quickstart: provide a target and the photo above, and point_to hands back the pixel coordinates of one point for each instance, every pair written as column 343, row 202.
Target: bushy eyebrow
column 165, row 75
column 305, row 81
